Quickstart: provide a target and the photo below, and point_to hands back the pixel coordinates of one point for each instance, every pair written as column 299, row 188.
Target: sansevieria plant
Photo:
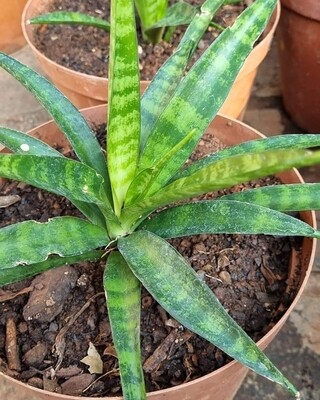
column 149, row 140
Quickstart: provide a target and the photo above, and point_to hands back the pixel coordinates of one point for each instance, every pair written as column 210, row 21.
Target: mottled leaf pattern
column 294, row 197
column 68, row 118
column 223, row 174
column 124, row 101
column 228, row 216
column 32, row 242
column 166, row 80
column 194, row 304
column 59, row 175
column 69, row 17
column 22, row 143
column 140, row 186
column 202, row 92
column 124, row 303
column 292, row 141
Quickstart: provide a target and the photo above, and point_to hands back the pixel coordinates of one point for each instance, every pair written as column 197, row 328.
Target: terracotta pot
column 224, row 382
column 88, row 90
column 299, row 57
column 11, row 37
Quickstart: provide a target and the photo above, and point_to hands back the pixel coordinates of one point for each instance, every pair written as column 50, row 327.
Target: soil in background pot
column 86, row 49
column 50, row 321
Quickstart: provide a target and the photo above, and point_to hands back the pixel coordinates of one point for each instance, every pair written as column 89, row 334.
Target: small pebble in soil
column 35, row 356
column 77, row 384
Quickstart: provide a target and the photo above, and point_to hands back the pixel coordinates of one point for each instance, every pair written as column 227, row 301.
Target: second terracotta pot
column 88, row 90
column 299, row 58
column 11, row 37
column 223, row 383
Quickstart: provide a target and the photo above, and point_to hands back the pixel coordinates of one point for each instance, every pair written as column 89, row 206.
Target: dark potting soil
column 86, row 49
column 48, row 322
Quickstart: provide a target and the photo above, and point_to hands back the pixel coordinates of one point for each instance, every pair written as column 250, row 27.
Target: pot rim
column 256, row 56
column 310, row 243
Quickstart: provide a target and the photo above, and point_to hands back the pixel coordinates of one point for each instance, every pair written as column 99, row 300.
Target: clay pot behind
column 88, row 90
column 11, row 37
column 299, row 57
column 224, row 382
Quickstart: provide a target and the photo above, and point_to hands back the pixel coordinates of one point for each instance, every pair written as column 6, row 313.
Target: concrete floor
column 297, row 348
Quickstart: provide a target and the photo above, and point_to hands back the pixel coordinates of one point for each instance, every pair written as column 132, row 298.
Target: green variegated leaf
column 202, row 92
column 59, row 175
column 294, row 197
column 221, row 175
column 20, row 272
column 225, row 216
column 68, row 118
column 292, row 141
column 71, row 179
column 151, row 11
column 123, row 293
column 177, row 287
column 163, row 85
column 70, row 17
column 138, row 186
column 22, row 143
column 124, row 101
column 32, row 242
column 143, row 181
column 180, row 13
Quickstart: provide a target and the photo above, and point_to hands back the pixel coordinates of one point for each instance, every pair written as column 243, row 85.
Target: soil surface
column 48, row 323
column 86, row 49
